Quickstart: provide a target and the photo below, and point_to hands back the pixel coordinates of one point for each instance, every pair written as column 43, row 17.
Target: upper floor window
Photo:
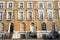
column 9, row 15
column 40, row 5
column 21, row 4
column 1, row 26
column 41, row 14
column 49, row 5
column 58, row 4
column 43, row 26
column 29, row 5
column 1, row 15
column 10, row 5
column 29, row 15
column 20, row 14
column 1, row 4
column 50, row 14
column 59, row 14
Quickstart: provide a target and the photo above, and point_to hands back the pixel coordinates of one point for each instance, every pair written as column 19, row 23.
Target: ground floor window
column 1, row 26
column 43, row 26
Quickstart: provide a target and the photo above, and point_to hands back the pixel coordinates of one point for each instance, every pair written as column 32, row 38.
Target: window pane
column 20, row 15
column 30, row 15
column 1, row 26
column 40, row 5
column 1, row 5
column 10, row 5
column 1, row 15
column 29, row 5
column 50, row 15
column 21, row 5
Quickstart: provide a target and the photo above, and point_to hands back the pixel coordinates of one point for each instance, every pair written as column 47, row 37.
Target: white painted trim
column 8, row 4
column 48, row 13
column 18, row 14
column 19, row 4
column 39, row 3
column 58, row 4
column 28, row 4
column 7, row 14
column 51, row 5
column 28, row 14
column 39, row 14
column 3, row 3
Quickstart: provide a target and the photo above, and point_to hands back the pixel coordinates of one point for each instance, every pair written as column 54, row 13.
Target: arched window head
column 32, row 24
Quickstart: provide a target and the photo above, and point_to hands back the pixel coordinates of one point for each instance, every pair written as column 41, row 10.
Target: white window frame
column 2, row 2
column 18, row 14
column 7, row 14
column 52, row 14
column 8, row 4
column 39, row 14
column 2, row 14
column 19, row 4
column 39, row 3
column 28, row 14
column 51, row 4
column 28, row 4
column 58, row 4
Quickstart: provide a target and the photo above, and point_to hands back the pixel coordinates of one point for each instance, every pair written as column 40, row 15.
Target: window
column 21, row 4
column 41, row 14
column 11, row 27
column 59, row 14
column 54, row 27
column 49, row 5
column 20, row 14
column 29, row 5
column 1, row 15
column 1, row 26
column 43, row 26
column 40, row 5
column 32, row 27
column 50, row 14
column 1, row 4
column 9, row 15
column 23, row 27
column 29, row 15
column 58, row 4
column 10, row 5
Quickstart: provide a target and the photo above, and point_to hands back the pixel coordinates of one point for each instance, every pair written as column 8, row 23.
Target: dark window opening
column 11, row 27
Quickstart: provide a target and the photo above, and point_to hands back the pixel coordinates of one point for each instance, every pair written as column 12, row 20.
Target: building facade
column 20, row 16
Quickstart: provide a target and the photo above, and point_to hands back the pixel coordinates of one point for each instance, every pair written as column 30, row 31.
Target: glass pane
column 41, row 5
column 49, row 5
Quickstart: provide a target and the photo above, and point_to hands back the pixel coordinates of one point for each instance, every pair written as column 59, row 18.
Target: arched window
column 11, row 27
column 43, row 26
column 23, row 27
column 54, row 27
column 1, row 26
column 32, row 27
